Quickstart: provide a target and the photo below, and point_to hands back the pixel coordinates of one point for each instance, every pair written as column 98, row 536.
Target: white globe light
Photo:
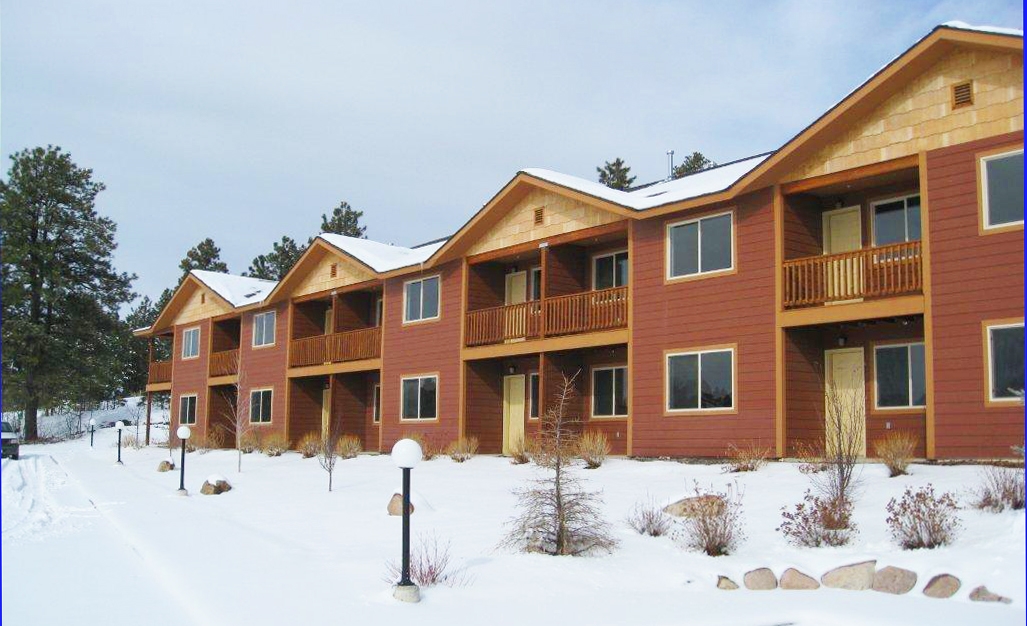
column 119, row 425
column 183, row 432
column 92, row 422
column 406, row 453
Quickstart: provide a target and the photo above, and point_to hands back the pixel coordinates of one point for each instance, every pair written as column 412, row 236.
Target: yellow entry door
column 513, row 412
column 845, row 400
column 326, row 410
column 843, row 232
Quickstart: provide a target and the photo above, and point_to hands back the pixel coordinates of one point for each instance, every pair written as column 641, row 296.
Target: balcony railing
column 365, row 343
column 224, row 363
column 160, row 372
column 584, row 312
column 881, row 271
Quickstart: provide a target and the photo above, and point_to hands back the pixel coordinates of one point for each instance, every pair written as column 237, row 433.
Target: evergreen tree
column 61, row 292
column 693, row 163
column 277, row 263
column 345, row 220
column 203, row 256
column 615, row 174
column 137, row 352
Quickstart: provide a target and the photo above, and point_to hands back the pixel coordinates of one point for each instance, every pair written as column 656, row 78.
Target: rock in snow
column 981, row 594
column 894, row 580
column 854, row 577
column 942, row 586
column 215, row 485
column 165, row 466
column 696, row 506
column 396, row 505
column 794, row 579
column 723, row 582
column 761, row 579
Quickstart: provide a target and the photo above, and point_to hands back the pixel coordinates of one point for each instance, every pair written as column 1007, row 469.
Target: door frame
column 507, row 417
column 829, row 374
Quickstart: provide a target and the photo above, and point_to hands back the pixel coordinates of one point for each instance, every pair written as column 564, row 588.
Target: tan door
column 843, row 232
column 326, row 410
column 329, row 322
column 845, row 399
column 513, row 411
column 516, row 293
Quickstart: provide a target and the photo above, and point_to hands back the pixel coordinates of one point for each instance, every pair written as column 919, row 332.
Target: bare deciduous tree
column 327, row 453
column 844, row 442
column 236, row 416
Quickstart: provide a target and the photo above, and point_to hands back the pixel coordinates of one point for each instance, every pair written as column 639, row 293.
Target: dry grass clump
column 463, row 449
column 715, row 527
column 1001, row 488
column 249, row 442
column 129, row 440
column 429, row 565
column 274, row 444
column 922, row 519
column 348, row 446
column 748, row 458
column 895, row 450
column 811, row 457
column 519, row 452
column 648, row 518
column 309, row 445
column 593, row 448
column 815, row 522
column 428, row 449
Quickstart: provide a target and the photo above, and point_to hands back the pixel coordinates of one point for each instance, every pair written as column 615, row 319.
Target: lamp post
column 120, row 426
column 92, row 430
column 406, row 454
column 183, row 433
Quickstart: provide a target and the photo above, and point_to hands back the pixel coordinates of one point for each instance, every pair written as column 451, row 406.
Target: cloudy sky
column 245, row 120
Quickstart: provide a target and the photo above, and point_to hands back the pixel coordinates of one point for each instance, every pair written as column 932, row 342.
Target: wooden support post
column 544, row 254
column 149, row 405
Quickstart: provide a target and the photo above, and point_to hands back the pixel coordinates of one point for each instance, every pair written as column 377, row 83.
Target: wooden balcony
column 365, row 343
column 224, row 363
column 584, row 312
column 878, row 272
column 160, row 372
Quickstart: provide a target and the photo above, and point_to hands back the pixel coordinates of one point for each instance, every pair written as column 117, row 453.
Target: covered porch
column 345, row 404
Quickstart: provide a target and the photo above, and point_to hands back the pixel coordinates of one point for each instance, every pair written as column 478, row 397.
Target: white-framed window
column 187, row 409
column 1002, row 189
column 1005, row 362
column 899, row 376
column 421, row 299
column 533, row 395
column 378, row 311
column 260, row 405
column 700, row 246
column 610, row 391
column 896, row 220
column 419, row 397
column 701, row 380
column 264, row 328
column 191, row 343
column 535, row 284
column 610, row 270
column 376, row 407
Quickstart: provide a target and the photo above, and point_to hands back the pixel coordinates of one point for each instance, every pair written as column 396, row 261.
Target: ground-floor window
column 701, row 379
column 187, row 409
column 900, row 381
column 260, row 406
column 533, row 391
column 420, row 398
column 610, row 391
column 1005, row 361
column 377, row 406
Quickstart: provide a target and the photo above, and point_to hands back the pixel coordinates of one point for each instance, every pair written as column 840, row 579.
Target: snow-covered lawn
column 88, row 542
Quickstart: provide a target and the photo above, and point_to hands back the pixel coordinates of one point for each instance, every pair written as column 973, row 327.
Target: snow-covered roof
column 702, row 183
column 995, row 30
column 382, row 257
column 236, row 290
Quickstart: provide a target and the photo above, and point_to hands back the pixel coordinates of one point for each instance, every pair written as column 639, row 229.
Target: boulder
column 396, row 505
column 854, row 577
column 761, row 579
column 794, row 579
column 981, row 594
column 696, row 506
column 215, row 485
column 723, row 582
column 165, row 466
column 894, row 580
column 942, row 586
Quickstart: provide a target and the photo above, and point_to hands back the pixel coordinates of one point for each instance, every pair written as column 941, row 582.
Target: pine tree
column 277, row 263
column 345, row 220
column 61, row 292
column 203, row 256
column 615, row 174
column 693, row 163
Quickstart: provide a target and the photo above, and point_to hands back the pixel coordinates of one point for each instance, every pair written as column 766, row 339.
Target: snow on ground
column 86, row 541
column 131, row 410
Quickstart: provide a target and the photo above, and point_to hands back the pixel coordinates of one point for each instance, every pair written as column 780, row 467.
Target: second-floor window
column 1002, row 189
column 420, row 397
column 899, row 376
column 264, row 328
column 896, row 220
column 421, row 299
column 700, row 246
column 535, row 284
column 260, row 406
column 610, row 392
column 190, row 343
column 187, row 410
column 610, row 270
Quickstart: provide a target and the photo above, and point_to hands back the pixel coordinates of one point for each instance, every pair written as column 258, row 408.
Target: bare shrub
column 326, row 453
column 463, row 449
column 811, row 457
column 249, row 442
column 593, row 449
column 748, row 458
column 309, row 445
column 715, row 526
column 519, row 454
column 814, row 523
column 429, row 565
column 844, row 443
column 215, row 439
column 1000, row 488
column 274, row 444
column 428, row 449
column 648, row 518
column 922, row 519
column 895, row 450
column 557, row 516
column 348, row 447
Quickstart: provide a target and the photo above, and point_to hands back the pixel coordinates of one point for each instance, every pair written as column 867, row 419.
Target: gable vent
column 962, row 94
column 203, row 298
column 334, row 270
column 539, row 215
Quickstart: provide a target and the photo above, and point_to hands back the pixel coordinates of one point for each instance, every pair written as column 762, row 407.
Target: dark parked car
column 12, row 442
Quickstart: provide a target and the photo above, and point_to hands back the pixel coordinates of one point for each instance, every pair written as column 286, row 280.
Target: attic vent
column 203, row 298
column 334, row 271
column 962, row 94
column 539, row 215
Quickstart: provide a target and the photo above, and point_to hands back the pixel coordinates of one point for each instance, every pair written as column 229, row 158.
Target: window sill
column 673, row 280
column 699, row 412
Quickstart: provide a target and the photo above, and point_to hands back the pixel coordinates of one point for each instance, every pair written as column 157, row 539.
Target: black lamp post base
column 407, row 593
column 182, row 492
column 118, row 463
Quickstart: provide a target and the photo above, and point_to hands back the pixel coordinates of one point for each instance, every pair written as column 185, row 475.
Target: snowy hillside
column 131, row 410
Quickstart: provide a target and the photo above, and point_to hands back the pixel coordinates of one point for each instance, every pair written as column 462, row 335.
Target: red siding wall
column 264, row 367
column 974, row 278
column 189, row 376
